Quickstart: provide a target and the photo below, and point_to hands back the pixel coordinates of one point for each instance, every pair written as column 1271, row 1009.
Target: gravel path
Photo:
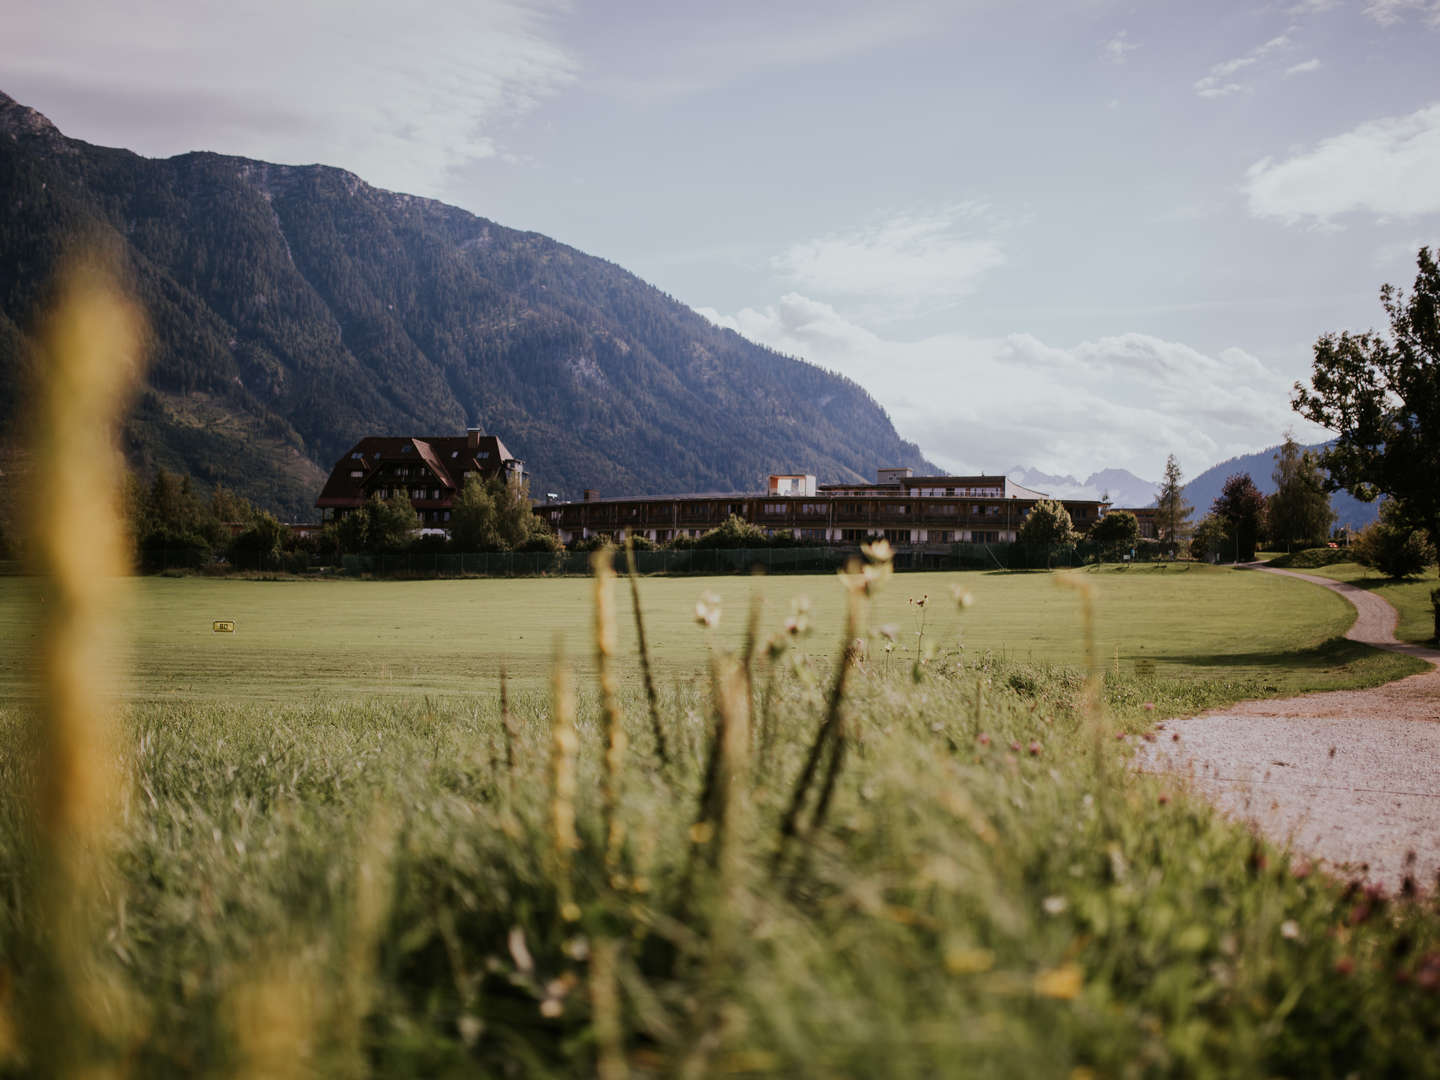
column 1351, row 777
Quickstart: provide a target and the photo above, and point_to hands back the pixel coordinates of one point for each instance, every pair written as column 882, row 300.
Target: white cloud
column 1117, row 48
column 1386, row 167
column 1217, row 83
column 905, row 261
column 1312, row 7
column 1123, row 401
column 1390, row 12
column 1302, row 68
column 399, row 96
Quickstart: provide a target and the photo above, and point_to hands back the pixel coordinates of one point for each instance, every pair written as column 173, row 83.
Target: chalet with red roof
column 431, row 470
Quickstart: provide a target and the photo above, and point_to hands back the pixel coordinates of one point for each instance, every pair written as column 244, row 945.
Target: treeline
column 174, row 526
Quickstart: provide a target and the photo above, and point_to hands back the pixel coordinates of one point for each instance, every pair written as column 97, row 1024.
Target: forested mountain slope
column 295, row 308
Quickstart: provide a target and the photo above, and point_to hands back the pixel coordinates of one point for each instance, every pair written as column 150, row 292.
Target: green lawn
column 304, row 640
column 1410, row 598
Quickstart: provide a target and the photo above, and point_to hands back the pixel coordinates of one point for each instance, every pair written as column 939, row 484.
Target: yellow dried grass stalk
column 90, row 361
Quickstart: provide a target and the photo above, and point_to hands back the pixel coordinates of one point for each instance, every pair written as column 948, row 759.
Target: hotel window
column 355, row 474
column 774, row 508
column 813, row 508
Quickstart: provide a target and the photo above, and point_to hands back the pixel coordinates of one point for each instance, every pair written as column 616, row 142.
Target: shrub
column 1392, row 546
column 735, row 533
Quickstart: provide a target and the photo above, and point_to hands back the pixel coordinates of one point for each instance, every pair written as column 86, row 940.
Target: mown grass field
column 327, row 866
column 313, row 640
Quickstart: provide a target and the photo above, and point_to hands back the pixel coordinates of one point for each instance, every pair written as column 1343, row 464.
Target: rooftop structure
column 430, row 470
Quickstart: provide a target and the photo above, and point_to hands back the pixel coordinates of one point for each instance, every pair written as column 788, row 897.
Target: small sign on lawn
column 223, row 626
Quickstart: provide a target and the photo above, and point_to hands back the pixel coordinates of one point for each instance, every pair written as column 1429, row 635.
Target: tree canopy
column 1116, row 533
column 1242, row 508
column 1047, row 523
column 1381, row 394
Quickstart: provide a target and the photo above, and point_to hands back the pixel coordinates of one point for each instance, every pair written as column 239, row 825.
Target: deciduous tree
column 1299, row 510
column 1241, row 506
column 1381, row 394
column 1047, row 523
column 1117, row 532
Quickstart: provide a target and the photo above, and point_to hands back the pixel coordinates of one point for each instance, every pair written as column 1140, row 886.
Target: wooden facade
column 909, row 511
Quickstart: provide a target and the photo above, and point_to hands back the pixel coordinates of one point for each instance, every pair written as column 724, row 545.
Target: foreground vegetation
column 937, row 866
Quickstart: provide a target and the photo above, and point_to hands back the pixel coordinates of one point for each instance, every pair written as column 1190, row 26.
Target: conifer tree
column 1172, row 516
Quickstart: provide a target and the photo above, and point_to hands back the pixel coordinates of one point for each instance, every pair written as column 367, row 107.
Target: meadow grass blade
column 829, row 730
column 507, row 722
column 564, row 746
column 602, row 562
column 657, row 725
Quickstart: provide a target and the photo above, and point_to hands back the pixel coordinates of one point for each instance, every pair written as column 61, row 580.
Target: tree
column 1299, row 510
column 1381, row 395
column 1116, row 533
column 261, row 545
column 393, row 521
column 1241, row 506
column 1393, row 545
column 1047, row 523
column 473, row 519
column 1209, row 541
column 1172, row 512
column 494, row 515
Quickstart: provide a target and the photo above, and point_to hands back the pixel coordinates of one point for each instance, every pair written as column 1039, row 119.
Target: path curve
column 1352, row 777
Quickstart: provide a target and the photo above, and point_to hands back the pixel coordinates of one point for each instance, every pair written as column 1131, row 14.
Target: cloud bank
column 1386, row 167
column 974, row 404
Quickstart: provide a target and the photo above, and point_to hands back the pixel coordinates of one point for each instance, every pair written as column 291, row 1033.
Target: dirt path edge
column 1348, row 777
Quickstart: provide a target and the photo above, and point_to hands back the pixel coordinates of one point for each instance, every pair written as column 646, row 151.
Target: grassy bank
column 974, row 884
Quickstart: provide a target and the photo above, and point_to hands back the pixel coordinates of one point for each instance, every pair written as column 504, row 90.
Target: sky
column 1067, row 235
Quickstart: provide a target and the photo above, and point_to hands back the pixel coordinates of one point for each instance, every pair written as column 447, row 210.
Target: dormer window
column 454, row 453
column 483, row 455
column 357, row 456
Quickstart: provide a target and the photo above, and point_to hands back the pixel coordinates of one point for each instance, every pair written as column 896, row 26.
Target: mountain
column 1123, row 487
column 294, row 309
column 1205, row 488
